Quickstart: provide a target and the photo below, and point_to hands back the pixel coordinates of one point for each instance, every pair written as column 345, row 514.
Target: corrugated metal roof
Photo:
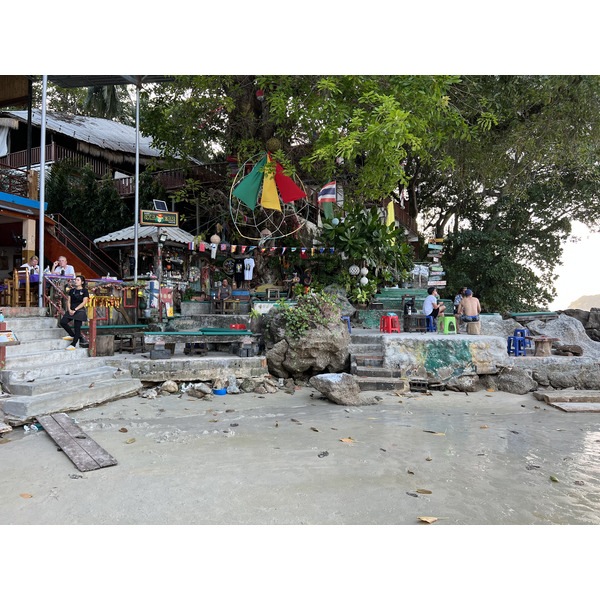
column 174, row 234
column 103, row 133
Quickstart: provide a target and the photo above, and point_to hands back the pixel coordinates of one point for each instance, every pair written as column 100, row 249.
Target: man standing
column 60, row 267
column 431, row 306
column 469, row 308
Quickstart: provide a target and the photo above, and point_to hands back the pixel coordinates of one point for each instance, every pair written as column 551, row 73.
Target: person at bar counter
column 60, row 267
column 32, row 266
column 431, row 306
column 469, row 308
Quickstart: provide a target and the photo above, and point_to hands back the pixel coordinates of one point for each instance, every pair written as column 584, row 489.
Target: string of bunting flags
column 239, row 249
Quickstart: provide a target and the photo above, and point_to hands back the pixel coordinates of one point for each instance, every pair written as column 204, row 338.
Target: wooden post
column 92, row 333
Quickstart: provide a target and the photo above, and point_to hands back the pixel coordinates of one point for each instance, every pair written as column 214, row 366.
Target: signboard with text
column 160, row 218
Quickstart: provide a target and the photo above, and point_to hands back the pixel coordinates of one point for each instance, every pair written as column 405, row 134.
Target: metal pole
column 137, row 179
column 42, row 192
column 159, row 273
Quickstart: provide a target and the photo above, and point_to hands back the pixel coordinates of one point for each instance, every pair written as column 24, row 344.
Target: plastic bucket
column 220, row 392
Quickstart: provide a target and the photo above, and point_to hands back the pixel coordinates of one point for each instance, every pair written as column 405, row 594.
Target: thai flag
column 327, row 193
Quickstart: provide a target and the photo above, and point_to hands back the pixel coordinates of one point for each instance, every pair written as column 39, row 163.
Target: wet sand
column 486, row 458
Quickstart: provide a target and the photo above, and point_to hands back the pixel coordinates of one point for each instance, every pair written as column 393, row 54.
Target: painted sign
column 436, row 283
column 435, row 246
column 160, row 218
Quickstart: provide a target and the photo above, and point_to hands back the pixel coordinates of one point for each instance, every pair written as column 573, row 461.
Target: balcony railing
column 54, row 153
column 13, row 181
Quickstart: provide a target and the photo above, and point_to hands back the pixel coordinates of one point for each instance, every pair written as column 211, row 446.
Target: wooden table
column 543, row 344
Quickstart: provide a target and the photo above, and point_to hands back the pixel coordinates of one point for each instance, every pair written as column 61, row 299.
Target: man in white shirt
column 32, row 266
column 431, row 306
column 60, row 267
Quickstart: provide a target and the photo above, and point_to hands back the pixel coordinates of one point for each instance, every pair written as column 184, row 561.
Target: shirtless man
column 469, row 308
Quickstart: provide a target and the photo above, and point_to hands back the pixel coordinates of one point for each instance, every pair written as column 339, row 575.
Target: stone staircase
column 41, row 377
column 366, row 364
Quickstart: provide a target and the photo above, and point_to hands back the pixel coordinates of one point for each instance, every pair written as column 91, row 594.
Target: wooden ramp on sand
column 85, row 453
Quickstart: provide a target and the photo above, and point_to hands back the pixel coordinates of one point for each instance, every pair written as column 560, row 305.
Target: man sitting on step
column 469, row 308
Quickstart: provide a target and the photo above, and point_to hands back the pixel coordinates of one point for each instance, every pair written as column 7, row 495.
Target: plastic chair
column 389, row 324
column 522, row 333
column 430, row 323
column 347, row 319
column 447, row 325
column 515, row 345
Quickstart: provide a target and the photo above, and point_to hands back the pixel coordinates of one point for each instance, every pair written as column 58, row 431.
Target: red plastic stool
column 389, row 324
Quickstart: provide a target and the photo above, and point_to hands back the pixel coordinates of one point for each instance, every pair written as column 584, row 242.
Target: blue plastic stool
column 522, row 333
column 516, row 345
column 430, row 323
column 348, row 321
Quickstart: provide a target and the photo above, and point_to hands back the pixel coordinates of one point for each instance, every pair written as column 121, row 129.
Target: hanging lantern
column 364, row 271
column 260, row 95
column 364, row 281
column 354, row 270
column 215, row 239
column 335, row 221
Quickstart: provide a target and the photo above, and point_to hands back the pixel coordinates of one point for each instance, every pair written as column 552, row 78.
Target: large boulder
column 322, row 348
column 463, row 383
column 341, row 388
column 568, row 330
column 516, row 381
column 346, row 309
column 497, row 326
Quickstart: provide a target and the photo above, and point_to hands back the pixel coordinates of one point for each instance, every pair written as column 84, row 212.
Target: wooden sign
column 435, row 246
column 159, row 218
column 436, row 283
column 434, row 240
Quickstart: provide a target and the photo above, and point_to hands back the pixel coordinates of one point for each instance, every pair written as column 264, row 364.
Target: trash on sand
column 483, row 427
column 323, row 454
column 429, row 458
column 347, row 440
column 130, row 441
column 552, row 478
column 428, row 519
column 420, row 491
column 410, row 472
column 123, row 430
column 26, row 495
column 411, row 494
column 314, row 429
column 434, row 432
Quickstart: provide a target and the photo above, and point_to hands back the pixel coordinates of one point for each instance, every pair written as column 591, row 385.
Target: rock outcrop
column 341, row 388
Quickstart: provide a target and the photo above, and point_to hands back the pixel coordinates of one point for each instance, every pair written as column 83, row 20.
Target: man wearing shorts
column 431, row 306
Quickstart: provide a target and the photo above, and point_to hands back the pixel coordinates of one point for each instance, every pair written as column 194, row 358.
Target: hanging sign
column 159, row 218
column 436, row 283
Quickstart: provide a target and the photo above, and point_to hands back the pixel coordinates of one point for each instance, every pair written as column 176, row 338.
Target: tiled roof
column 174, row 234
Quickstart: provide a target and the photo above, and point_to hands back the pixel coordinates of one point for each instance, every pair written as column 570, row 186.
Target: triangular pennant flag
column 312, row 251
column 332, row 250
column 243, row 249
column 201, row 246
column 303, row 253
column 294, row 249
column 273, row 249
column 283, row 250
column 322, row 250
column 391, row 217
column 247, row 189
column 223, row 247
column 270, row 197
column 251, row 248
column 233, row 248
column 288, row 190
column 263, row 250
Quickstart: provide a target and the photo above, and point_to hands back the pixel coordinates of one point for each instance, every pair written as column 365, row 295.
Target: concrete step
column 80, row 381
column 21, row 409
column 29, row 336
column 377, row 372
column 28, row 323
column 552, row 396
column 368, row 384
column 53, row 364
column 367, row 361
column 41, row 346
column 365, row 349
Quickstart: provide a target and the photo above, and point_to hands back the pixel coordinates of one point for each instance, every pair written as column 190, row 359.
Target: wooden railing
column 173, row 179
column 54, row 153
column 13, row 181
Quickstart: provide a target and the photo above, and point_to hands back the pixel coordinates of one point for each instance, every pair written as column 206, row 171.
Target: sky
column 578, row 275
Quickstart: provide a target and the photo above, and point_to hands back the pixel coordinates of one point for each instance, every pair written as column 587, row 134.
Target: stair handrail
column 83, row 246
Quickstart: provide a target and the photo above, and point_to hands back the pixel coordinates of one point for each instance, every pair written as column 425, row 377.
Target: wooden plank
column 588, row 407
column 83, row 451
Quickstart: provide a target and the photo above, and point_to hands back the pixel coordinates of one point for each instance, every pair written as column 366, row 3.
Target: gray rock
column 346, row 309
column 148, row 393
column 341, row 388
column 516, row 381
column 464, row 383
column 270, row 387
column 594, row 319
column 169, row 386
column 569, row 331
column 261, row 389
column 194, row 393
column 202, row 387
column 569, row 350
column 247, row 386
column 581, row 315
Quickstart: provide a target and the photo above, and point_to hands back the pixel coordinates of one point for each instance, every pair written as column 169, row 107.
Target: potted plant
column 255, row 321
